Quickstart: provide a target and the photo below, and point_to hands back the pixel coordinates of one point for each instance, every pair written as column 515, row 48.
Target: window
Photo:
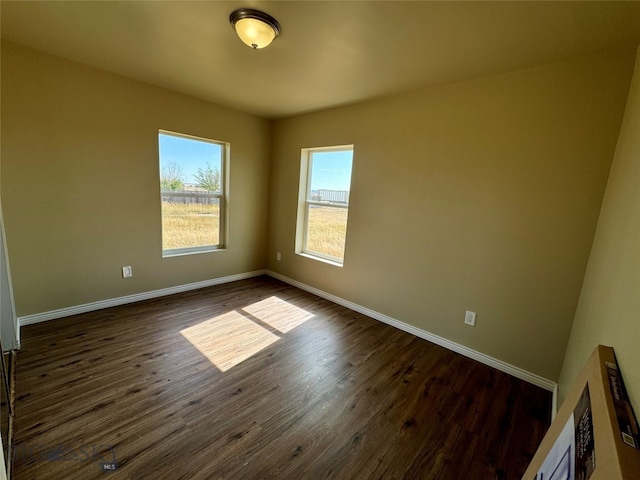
column 323, row 208
column 192, row 190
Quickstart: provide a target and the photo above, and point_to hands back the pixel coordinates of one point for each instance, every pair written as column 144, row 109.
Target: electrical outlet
column 127, row 272
column 278, row 256
column 470, row 318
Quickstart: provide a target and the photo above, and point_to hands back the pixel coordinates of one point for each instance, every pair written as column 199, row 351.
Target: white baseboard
column 443, row 342
column 113, row 302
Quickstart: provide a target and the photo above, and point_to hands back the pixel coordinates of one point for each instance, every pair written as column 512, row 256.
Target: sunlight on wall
column 231, row 338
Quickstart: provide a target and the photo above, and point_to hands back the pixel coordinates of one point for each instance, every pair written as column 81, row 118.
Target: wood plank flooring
column 259, row 380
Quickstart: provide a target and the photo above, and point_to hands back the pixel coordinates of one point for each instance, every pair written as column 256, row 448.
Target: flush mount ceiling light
column 255, row 28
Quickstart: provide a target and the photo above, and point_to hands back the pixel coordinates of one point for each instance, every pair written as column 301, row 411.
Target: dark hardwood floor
column 259, row 380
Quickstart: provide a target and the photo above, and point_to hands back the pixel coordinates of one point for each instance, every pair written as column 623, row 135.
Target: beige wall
column 609, row 308
column 481, row 195
column 80, row 182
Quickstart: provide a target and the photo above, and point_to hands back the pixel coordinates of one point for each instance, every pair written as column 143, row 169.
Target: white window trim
column 223, row 197
column 303, row 205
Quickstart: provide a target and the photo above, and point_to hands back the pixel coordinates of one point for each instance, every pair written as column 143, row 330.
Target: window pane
column 330, row 176
column 191, row 184
column 326, row 230
column 189, row 223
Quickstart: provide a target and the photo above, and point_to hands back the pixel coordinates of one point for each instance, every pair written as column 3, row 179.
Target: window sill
column 320, row 259
column 178, row 252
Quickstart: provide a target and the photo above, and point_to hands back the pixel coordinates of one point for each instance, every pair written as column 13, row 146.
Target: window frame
column 223, row 197
column 304, row 203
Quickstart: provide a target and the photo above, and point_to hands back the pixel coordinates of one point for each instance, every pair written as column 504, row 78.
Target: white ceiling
column 328, row 53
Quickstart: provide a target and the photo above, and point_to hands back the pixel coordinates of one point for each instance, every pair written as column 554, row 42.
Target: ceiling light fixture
column 255, row 28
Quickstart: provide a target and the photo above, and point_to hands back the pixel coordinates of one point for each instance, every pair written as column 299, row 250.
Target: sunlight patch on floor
column 231, row 338
column 278, row 314
column 228, row 339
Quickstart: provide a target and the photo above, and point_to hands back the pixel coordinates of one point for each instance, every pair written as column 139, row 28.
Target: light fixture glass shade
column 255, row 28
column 254, row 32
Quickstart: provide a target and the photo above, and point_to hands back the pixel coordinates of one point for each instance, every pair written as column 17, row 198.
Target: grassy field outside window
column 189, row 225
column 326, row 230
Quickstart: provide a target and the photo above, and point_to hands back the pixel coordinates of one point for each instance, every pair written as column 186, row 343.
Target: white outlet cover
column 470, row 318
column 127, row 272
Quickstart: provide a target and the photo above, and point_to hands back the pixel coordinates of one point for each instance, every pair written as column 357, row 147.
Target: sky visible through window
column 331, row 170
column 189, row 154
